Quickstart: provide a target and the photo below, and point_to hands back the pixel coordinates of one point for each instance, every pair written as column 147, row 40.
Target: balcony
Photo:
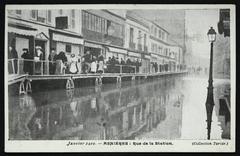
column 140, row 47
column 132, row 45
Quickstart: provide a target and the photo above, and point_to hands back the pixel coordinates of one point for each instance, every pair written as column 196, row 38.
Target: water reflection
column 143, row 110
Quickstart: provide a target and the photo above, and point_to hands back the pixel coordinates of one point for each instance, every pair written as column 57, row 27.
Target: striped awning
column 22, row 31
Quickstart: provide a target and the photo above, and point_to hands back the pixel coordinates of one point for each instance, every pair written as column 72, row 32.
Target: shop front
column 116, row 52
column 94, row 49
column 20, row 38
column 145, row 68
column 66, row 42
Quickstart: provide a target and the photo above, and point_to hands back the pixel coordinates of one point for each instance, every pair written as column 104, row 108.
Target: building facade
column 75, row 31
column 137, row 40
column 32, row 28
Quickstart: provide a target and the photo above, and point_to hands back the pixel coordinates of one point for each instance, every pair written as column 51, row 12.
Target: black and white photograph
column 120, row 78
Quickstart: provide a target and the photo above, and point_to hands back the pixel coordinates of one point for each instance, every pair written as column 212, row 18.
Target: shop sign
column 134, row 54
column 88, row 44
column 147, row 57
column 117, row 50
column 67, row 39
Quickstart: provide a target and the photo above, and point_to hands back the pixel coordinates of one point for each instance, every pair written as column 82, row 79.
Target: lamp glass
column 211, row 35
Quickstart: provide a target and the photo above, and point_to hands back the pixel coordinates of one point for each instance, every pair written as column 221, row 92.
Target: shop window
column 68, row 48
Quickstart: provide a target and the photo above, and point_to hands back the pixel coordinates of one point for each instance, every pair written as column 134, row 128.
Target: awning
column 117, row 50
column 67, row 39
column 22, row 31
column 134, row 54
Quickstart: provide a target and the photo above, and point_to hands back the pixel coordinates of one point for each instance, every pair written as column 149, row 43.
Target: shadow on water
column 131, row 110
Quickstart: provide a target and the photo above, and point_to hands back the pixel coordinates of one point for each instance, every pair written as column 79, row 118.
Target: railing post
column 13, row 67
column 18, row 65
column 41, row 69
column 121, row 69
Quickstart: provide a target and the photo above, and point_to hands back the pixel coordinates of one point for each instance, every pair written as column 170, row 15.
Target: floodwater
column 164, row 108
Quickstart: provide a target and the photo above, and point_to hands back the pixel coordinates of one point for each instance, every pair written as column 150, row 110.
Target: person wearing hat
column 73, row 64
column 37, row 59
column 12, row 54
column 52, row 63
column 26, row 63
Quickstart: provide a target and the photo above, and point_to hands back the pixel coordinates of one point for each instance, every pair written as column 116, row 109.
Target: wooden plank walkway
column 16, row 78
column 105, row 75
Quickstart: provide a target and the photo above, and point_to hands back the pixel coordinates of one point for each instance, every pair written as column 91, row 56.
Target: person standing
column 87, row 62
column 79, row 64
column 38, row 60
column 60, row 60
column 100, row 63
column 93, row 65
column 73, row 64
column 26, row 63
column 52, row 63
column 12, row 54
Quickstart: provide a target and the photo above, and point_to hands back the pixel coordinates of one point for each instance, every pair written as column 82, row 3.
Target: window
column 41, row 16
column 163, row 35
column 131, row 35
column 34, row 14
column 155, row 32
column 159, row 34
column 145, row 40
column 73, row 19
column 18, row 12
column 94, row 23
column 152, row 28
column 61, row 11
column 139, row 37
column 49, row 16
column 152, row 47
column 68, row 48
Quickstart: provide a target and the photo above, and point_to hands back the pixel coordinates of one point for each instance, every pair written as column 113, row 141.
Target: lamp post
column 210, row 101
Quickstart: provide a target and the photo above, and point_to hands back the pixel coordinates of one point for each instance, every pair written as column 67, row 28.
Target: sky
column 199, row 22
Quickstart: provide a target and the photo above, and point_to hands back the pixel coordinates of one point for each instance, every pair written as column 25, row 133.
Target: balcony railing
column 132, row 45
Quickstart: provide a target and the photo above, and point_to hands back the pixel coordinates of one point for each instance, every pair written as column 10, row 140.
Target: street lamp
column 210, row 101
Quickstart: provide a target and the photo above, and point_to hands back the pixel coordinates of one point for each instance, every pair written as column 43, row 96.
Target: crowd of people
column 60, row 63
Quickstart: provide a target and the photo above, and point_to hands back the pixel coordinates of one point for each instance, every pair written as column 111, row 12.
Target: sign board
column 117, row 50
column 67, row 39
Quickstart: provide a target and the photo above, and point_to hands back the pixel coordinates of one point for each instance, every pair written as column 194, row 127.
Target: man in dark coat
column 52, row 63
column 12, row 54
column 26, row 64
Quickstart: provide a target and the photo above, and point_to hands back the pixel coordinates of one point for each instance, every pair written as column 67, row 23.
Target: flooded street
column 164, row 108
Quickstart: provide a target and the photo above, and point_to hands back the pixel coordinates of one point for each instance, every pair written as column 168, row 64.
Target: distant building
column 137, row 39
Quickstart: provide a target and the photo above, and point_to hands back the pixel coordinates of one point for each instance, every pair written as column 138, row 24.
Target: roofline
column 113, row 14
column 160, row 27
